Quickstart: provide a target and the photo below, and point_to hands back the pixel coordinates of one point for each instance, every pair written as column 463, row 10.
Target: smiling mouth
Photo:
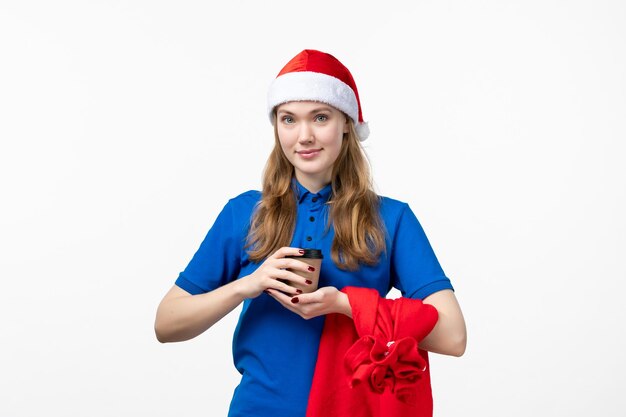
column 308, row 151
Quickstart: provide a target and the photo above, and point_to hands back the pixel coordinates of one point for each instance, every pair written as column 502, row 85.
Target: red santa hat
column 318, row 76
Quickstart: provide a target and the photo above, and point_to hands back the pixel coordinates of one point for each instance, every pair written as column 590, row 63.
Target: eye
column 287, row 119
column 321, row 118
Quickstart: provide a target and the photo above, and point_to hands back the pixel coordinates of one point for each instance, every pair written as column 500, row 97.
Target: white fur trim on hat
column 362, row 130
column 313, row 86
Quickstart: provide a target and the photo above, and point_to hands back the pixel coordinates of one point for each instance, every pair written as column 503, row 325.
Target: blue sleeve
column 218, row 260
column 415, row 270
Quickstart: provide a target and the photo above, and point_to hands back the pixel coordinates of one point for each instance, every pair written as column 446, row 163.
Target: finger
column 283, row 285
column 271, row 292
column 294, row 265
column 284, row 274
column 287, row 251
column 310, row 298
column 285, row 300
column 279, row 295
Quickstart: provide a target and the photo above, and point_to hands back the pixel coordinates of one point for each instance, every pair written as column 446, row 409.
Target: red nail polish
column 299, row 291
column 308, row 281
column 295, row 300
column 301, row 252
column 311, row 269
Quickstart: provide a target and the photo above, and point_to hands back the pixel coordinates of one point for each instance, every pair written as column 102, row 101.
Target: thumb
column 311, row 297
column 317, row 296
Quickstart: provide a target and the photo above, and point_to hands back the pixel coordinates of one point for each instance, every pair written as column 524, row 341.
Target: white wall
column 125, row 127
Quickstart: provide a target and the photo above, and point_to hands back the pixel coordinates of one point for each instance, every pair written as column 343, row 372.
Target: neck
column 313, row 184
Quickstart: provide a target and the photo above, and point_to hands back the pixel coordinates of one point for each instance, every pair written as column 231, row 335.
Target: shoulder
column 391, row 208
column 241, row 207
column 247, row 198
column 396, row 214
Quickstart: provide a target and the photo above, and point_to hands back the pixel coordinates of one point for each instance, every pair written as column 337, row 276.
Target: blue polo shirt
column 274, row 349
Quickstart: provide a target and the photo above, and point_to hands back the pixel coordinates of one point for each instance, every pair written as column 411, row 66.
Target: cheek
column 282, row 140
column 286, row 137
column 331, row 136
column 286, row 151
column 335, row 141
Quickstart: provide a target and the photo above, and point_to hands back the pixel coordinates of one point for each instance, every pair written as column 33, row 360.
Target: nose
column 305, row 135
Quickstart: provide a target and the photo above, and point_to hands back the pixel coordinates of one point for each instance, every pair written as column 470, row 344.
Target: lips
column 308, row 151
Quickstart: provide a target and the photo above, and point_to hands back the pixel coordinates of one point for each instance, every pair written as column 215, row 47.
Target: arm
column 449, row 337
column 182, row 316
column 418, row 274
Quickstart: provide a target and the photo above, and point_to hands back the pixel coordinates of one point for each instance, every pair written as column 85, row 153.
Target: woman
column 317, row 193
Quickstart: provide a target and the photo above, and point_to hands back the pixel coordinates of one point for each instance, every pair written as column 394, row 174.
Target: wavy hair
column 353, row 207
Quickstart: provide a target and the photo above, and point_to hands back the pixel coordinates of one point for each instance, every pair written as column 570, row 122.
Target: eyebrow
column 315, row 110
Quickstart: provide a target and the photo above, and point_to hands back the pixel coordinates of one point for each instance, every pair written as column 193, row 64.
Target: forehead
column 304, row 107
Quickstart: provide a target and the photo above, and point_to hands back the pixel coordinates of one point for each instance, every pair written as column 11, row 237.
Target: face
column 310, row 134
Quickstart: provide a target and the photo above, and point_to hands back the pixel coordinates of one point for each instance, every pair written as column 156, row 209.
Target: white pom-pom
column 363, row 130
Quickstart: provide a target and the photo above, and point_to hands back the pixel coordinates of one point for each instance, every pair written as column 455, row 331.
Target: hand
column 323, row 301
column 273, row 271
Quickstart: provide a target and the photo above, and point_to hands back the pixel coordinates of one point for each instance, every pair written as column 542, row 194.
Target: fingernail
column 299, row 291
column 295, row 300
column 308, row 281
column 301, row 251
column 311, row 269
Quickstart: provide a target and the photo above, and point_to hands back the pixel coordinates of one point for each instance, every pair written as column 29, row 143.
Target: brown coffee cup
column 314, row 258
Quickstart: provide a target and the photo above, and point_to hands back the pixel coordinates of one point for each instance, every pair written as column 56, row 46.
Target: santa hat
column 318, row 76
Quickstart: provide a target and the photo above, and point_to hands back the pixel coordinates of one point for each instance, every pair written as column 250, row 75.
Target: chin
column 309, row 172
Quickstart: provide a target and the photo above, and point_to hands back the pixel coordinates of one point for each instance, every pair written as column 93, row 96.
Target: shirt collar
column 302, row 193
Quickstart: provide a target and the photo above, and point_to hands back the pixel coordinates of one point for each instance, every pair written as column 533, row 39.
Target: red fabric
column 370, row 365
column 324, row 63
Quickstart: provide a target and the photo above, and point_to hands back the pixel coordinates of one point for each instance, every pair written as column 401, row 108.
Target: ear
column 345, row 126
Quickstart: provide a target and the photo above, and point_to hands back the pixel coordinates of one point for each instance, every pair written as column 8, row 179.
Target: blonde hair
column 354, row 207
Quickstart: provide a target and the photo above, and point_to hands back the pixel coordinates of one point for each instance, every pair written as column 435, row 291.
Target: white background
column 126, row 126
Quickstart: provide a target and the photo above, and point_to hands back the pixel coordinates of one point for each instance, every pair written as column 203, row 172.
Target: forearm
column 184, row 316
column 343, row 304
column 449, row 336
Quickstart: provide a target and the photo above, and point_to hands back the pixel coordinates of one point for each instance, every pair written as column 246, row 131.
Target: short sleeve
column 218, row 259
column 415, row 270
